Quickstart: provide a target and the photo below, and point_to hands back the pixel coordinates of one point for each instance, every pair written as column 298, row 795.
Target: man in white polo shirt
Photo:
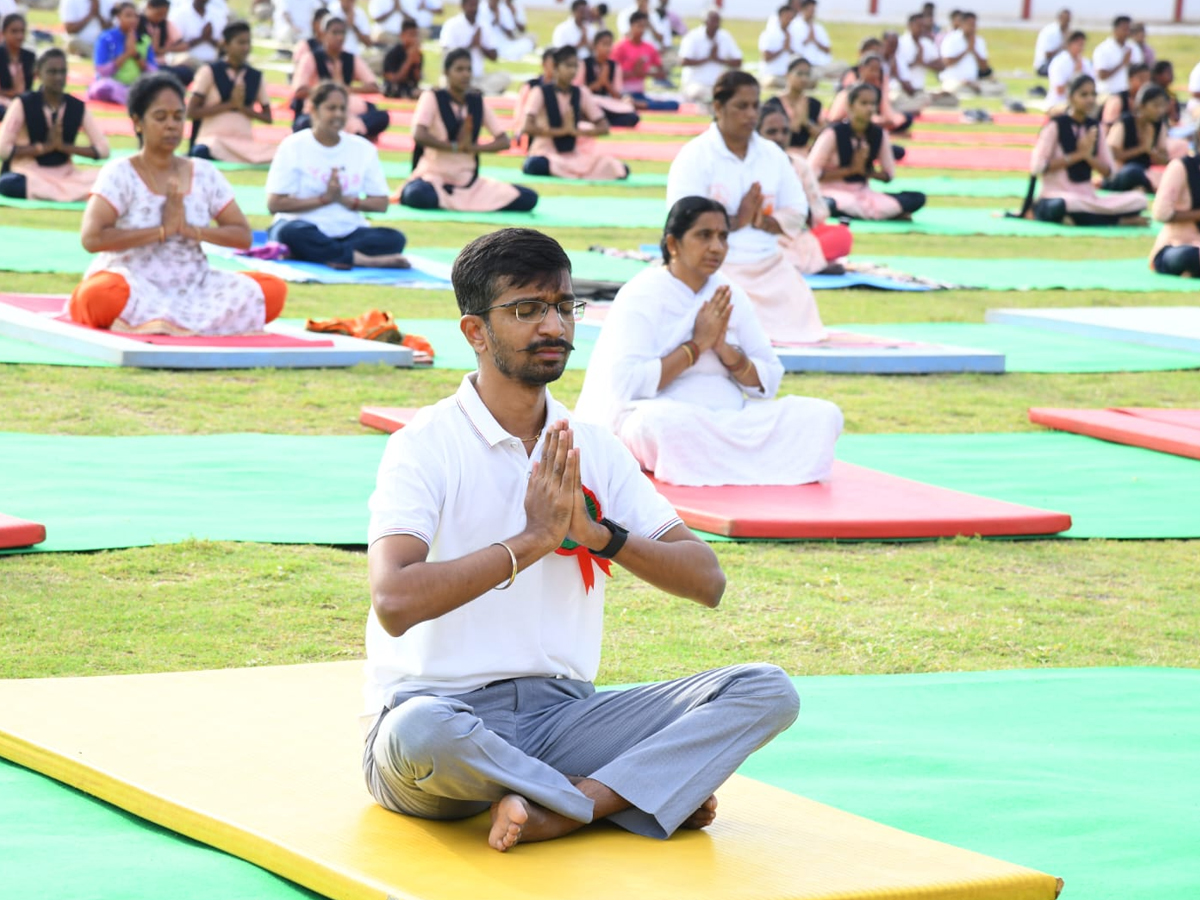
column 469, row 31
column 1112, row 58
column 965, row 55
column 775, row 52
column 494, row 522
column 705, row 53
column 1050, row 41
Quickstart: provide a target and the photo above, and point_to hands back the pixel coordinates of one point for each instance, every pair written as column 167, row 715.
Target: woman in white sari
column 685, row 376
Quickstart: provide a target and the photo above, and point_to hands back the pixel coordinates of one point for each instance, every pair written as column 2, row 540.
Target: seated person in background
column 321, row 181
column 165, row 38
column 554, row 114
column 850, row 153
column 803, row 111
column 1163, row 74
column 967, row 69
column 446, row 129
column 83, row 21
column 775, row 49
column 358, row 26
column 811, row 40
column 527, row 88
column 1177, row 206
column 1122, row 102
column 388, row 18
column 705, row 53
column 469, row 31
column 291, row 20
column 577, row 31
column 657, row 32
column 335, row 64
column 402, row 66
column 1193, row 104
column 602, row 76
column 1068, row 150
column 871, row 46
column 230, row 94
column 200, row 24
column 17, row 64
column 312, row 43
column 511, row 43
column 1137, row 34
column 1067, row 65
column 870, row 71
column 916, row 57
column 38, row 139
column 1050, row 40
column 679, row 361
column 816, row 247
column 121, row 56
column 1112, row 58
column 1137, row 141
column 755, row 181
column 146, row 220
column 638, row 60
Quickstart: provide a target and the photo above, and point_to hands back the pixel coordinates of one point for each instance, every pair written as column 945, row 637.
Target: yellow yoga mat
column 264, row 764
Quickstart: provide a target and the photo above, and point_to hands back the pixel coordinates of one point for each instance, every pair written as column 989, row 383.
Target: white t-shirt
column 706, row 167
column 1194, row 80
column 800, row 31
column 1109, row 53
column 567, row 34
column 190, row 24
column 458, row 32
column 392, row 20
column 8, row 7
column 655, row 22
column 967, row 68
column 301, row 13
column 361, row 21
column 906, row 59
column 1049, row 41
column 455, row 479
column 772, row 40
column 301, row 169
column 697, row 45
column 73, row 11
column 1062, row 72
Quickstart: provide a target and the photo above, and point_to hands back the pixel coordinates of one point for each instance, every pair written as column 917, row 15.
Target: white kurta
column 703, row 428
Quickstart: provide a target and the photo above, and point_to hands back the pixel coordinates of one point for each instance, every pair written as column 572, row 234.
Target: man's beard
column 521, row 365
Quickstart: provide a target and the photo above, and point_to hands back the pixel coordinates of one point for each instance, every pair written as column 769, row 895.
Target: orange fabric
column 98, row 300
column 375, row 325
column 274, row 292
column 835, row 240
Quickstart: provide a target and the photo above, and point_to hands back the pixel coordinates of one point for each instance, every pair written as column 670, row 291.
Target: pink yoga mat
column 977, row 138
column 954, row 116
column 996, row 159
column 1174, row 431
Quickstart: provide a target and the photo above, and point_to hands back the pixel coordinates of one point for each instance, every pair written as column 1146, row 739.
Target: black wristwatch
column 613, row 547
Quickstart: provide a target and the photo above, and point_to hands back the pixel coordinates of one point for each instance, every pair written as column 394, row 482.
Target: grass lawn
column 813, row 608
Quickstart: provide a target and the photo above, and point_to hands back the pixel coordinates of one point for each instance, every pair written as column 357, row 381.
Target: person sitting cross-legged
column 1138, row 143
column 495, row 520
column 227, row 97
column 1177, row 206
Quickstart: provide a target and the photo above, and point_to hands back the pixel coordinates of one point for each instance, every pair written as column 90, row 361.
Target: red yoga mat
column 1175, row 431
column 955, row 117
column 855, row 504
column 974, row 138
column 996, row 159
column 19, row 532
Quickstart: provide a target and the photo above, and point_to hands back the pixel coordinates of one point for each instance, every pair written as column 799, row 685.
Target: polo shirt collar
column 484, row 423
column 721, row 148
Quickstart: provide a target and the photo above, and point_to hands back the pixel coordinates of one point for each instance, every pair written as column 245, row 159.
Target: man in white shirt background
column 916, row 57
column 1113, row 57
column 511, row 43
column 577, row 31
column 1067, row 65
column 811, row 40
column 965, row 55
column 84, row 20
column 1193, row 104
column 358, row 30
column 200, row 24
column 775, row 51
column 1050, row 41
column 469, row 31
column 705, row 52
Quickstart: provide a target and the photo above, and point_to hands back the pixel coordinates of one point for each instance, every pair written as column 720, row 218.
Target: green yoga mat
column 1031, row 350
column 399, row 171
column 1088, row 774
column 14, row 351
column 59, row 842
column 1110, row 490
column 255, row 487
column 1127, row 275
column 46, row 250
column 947, row 186
column 939, row 220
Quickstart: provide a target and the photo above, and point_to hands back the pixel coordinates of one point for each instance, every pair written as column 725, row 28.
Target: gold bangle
column 513, row 557
column 745, row 370
column 688, row 350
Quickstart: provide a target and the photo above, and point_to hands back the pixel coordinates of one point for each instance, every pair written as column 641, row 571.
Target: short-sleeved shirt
column 907, row 67
column 392, row 18
column 568, row 34
column 626, row 55
column 800, row 30
column 301, row 169
column 772, row 40
column 1062, row 71
column 1109, row 53
column 73, row 11
column 458, row 32
column 655, row 23
column 456, row 480
column 190, row 24
column 1049, row 41
column 967, row 68
column 696, row 44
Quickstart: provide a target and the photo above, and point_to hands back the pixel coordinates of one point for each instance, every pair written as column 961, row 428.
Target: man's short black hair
column 492, row 264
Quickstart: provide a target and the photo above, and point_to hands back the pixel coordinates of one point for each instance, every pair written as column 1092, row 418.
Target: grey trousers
column 663, row 747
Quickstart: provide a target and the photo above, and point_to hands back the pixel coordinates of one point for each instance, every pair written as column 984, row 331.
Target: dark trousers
column 1055, row 210
column 910, row 201
column 12, row 184
column 307, row 242
column 1130, row 177
column 655, row 105
column 622, row 120
column 420, row 194
column 1178, row 261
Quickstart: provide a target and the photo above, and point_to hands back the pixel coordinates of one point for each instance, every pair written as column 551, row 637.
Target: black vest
column 322, row 60
column 28, row 60
column 591, row 73
column 563, row 144
column 1126, row 105
column 1131, row 139
column 845, row 146
column 1080, row 171
column 452, row 124
column 803, row 136
column 35, row 123
column 1191, row 165
column 224, row 86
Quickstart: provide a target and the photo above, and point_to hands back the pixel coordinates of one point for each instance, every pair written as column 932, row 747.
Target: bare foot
column 385, row 261
column 704, row 816
column 1141, row 221
column 509, row 816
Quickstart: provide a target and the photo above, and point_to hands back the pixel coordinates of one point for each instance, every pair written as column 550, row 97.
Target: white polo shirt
column 73, row 11
column 907, row 66
column 1109, row 53
column 190, row 24
column 458, row 32
column 1062, row 72
column 815, row 55
column 696, row 44
column 456, row 480
column 1049, row 41
column 772, row 40
column 967, row 68
column 568, row 34
column 361, row 21
column 706, row 167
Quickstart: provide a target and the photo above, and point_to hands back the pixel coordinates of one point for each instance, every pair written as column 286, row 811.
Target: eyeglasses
column 535, row 310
